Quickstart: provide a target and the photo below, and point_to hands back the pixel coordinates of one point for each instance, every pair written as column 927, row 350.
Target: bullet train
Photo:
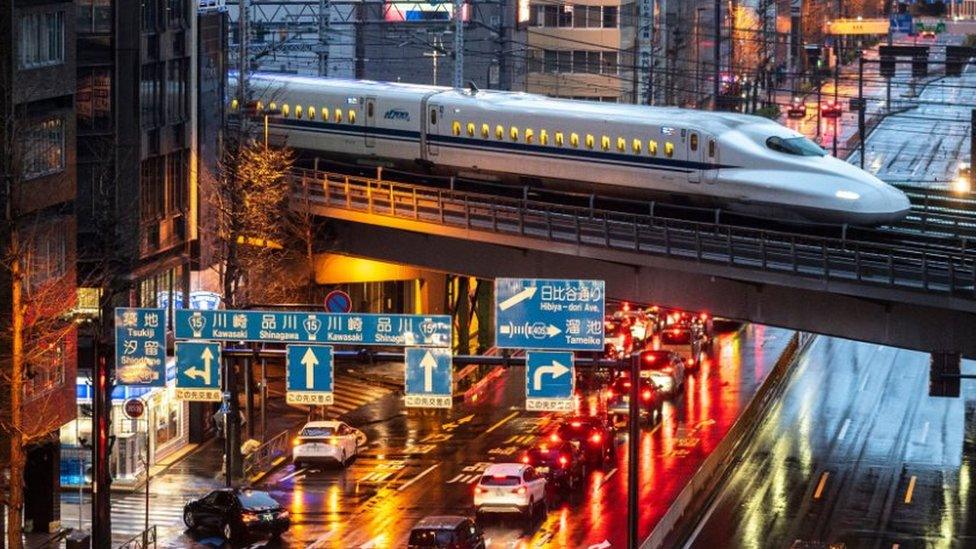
column 744, row 164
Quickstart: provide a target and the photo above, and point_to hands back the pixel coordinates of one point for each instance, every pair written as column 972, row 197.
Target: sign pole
column 633, row 443
column 101, row 481
column 232, row 432
column 145, row 531
column 861, row 103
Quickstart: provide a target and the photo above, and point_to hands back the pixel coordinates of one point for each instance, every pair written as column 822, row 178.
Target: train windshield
column 799, row 146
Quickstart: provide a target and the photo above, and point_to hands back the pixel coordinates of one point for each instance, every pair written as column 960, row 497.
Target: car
column 593, row 435
column 650, row 405
column 664, row 368
column 831, row 109
column 507, row 488
column 561, row 462
column 326, row 442
column 796, row 109
column 447, row 531
column 237, row 514
column 927, row 34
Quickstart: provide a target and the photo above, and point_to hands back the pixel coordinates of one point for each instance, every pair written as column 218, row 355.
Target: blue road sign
column 338, row 301
column 140, row 347
column 550, row 377
column 429, row 378
column 319, row 328
column 198, row 372
column 549, row 314
column 308, row 378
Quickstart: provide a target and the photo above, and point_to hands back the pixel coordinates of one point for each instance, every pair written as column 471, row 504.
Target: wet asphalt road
column 419, row 463
column 856, row 452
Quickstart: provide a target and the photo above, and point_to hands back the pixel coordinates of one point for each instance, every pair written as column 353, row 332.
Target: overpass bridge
column 917, row 297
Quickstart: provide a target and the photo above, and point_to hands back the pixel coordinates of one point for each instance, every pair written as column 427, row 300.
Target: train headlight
column 847, row 195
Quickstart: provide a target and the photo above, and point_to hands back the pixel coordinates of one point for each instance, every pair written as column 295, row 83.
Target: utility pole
column 434, row 54
column 458, row 44
column 633, row 447
column 972, row 149
column 324, row 18
column 101, row 408
column 717, row 53
column 888, row 14
column 860, row 104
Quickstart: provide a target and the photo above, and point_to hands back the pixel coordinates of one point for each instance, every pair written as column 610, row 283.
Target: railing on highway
column 824, row 258
column 261, row 459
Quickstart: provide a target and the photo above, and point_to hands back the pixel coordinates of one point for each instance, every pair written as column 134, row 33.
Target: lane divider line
column 864, row 383
column 925, row 432
column 911, row 489
column 418, row 477
column 843, row 429
column 294, row 473
column 505, row 420
column 821, row 485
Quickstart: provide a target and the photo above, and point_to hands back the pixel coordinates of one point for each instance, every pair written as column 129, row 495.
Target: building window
column 152, row 188
column 176, row 12
column 176, row 182
column 47, row 258
column 579, row 61
column 610, row 17
column 551, row 16
column 41, row 39
column 150, row 15
column 45, row 370
column 93, row 101
column 151, row 94
column 43, row 144
column 177, row 78
column 94, row 16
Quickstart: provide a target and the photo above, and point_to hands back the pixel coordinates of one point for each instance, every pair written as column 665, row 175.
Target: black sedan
column 562, row 464
column 591, row 434
column 237, row 514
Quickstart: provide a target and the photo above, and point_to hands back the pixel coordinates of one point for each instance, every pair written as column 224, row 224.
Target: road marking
column 843, row 429
column 820, row 486
column 418, row 477
column 602, row 545
column 294, row 473
column 502, row 422
column 925, row 432
column 606, row 479
column 320, row 541
column 462, row 478
column 911, row 489
column 864, row 383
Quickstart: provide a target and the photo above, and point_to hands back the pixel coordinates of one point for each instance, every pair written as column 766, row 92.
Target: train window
column 485, row 131
column 337, row 116
column 470, row 129
column 369, row 109
column 259, row 106
column 605, row 143
column 559, row 139
column 456, row 127
column 693, row 141
column 285, row 110
column 669, row 149
column 325, row 114
column 529, row 135
column 352, row 116
column 298, row 111
column 272, row 107
column 574, row 139
column 499, row 132
column 543, row 137
column 311, row 112
column 711, row 148
column 652, row 147
column 513, row 133
column 799, row 146
column 621, row 144
column 589, row 141
column 433, row 117
column 233, row 104
column 636, row 146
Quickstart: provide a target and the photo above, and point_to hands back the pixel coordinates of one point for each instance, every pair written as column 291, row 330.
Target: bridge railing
column 818, row 257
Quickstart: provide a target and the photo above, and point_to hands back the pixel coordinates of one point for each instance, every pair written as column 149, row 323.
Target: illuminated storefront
column 165, row 420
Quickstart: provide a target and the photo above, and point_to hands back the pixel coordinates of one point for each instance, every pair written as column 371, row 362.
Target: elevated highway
column 917, row 297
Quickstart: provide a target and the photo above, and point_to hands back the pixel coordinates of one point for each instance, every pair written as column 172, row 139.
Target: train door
column 370, row 121
column 433, row 125
column 694, row 155
column 711, row 154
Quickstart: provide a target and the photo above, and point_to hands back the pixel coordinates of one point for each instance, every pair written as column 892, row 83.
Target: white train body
column 742, row 163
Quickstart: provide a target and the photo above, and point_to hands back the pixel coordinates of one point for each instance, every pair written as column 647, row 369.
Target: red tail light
column 525, row 459
column 596, row 438
column 609, row 393
column 563, row 460
column 480, row 490
column 647, row 394
column 627, row 384
column 575, row 424
column 554, row 437
column 520, row 491
column 691, row 362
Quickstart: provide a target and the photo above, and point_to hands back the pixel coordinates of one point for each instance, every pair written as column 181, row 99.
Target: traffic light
column 944, row 370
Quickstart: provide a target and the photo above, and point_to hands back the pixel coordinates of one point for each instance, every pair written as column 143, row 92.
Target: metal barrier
column 142, row 540
column 261, row 459
column 823, row 258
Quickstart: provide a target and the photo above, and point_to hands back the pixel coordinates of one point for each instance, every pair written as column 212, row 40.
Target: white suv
column 510, row 488
column 321, row 442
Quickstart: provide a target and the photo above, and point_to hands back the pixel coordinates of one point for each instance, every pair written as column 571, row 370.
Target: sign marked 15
column 309, row 375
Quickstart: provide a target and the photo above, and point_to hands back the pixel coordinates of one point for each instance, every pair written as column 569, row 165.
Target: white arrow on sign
column 517, row 298
column 203, row 374
column 553, row 331
column 555, row 369
column 429, row 364
column 602, row 545
column 309, row 360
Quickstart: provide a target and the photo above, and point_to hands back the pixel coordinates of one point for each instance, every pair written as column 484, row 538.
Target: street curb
column 677, row 524
column 257, row 478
